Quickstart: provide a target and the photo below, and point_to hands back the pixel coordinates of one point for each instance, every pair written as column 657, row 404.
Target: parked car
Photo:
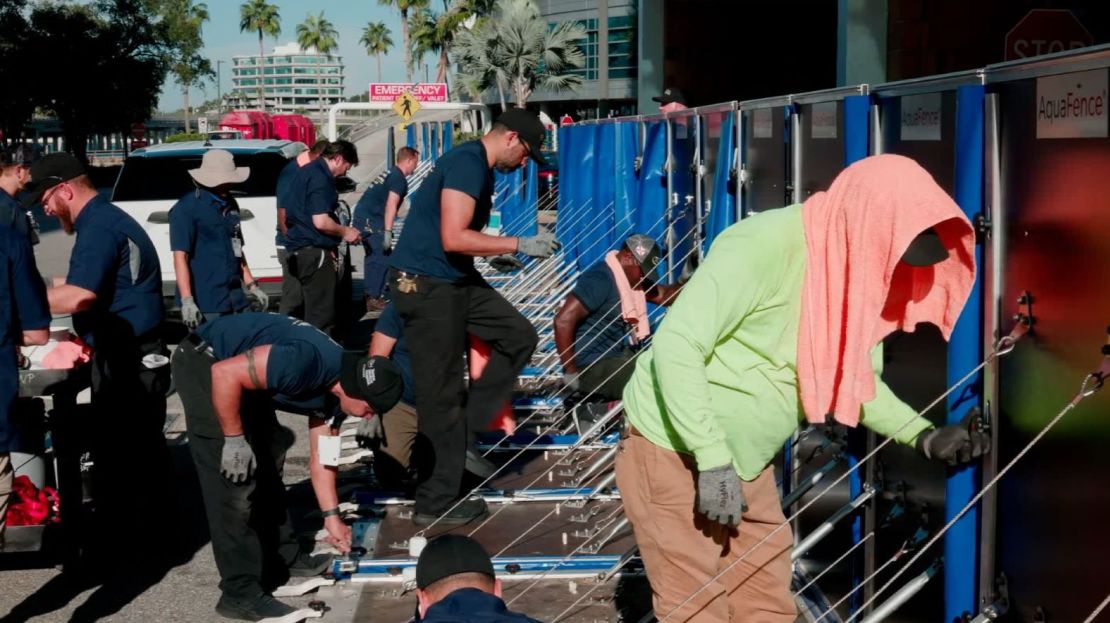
column 154, row 178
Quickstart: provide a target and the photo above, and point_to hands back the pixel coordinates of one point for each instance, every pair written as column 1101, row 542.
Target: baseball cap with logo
column 373, row 379
column 51, row 170
column 646, row 252
column 670, row 95
column 528, row 127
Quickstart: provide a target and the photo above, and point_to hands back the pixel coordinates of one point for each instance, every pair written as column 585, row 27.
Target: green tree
column 16, row 101
column 317, row 32
column 534, row 55
column 377, row 40
column 436, row 34
column 262, row 17
column 109, row 60
column 184, row 22
column 404, row 6
column 477, row 52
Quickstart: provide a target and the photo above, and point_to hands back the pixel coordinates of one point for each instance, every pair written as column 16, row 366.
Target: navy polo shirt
column 284, row 186
column 369, row 216
column 303, row 364
column 23, row 307
column 312, row 192
column 114, row 258
column 207, row 228
column 595, row 336
column 420, row 251
column 390, row 325
column 13, row 215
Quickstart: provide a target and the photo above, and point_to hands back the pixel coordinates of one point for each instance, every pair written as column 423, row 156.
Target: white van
column 154, row 178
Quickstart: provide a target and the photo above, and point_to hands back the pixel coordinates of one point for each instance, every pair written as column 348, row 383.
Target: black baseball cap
column 670, row 95
column 51, row 170
column 448, row 555
column 373, row 379
column 19, row 154
column 925, row 250
column 646, row 252
column 528, row 127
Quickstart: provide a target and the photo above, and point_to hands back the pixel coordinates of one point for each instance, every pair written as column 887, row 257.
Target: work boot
column 262, row 607
column 307, row 565
column 479, row 465
column 471, row 509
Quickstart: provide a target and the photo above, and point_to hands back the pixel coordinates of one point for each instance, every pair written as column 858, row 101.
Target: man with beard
column 442, row 298
column 114, row 292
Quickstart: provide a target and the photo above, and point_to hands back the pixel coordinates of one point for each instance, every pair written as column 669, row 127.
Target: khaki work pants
column 682, row 551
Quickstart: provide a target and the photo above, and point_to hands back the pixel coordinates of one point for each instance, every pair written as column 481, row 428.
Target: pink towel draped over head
column 856, row 291
column 633, row 301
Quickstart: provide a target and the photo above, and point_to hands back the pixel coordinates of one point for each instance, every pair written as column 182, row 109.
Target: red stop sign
column 1045, row 31
column 138, row 130
column 566, row 120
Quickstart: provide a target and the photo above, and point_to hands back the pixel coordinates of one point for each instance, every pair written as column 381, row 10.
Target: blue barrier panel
column 433, row 153
column 425, row 144
column 448, row 136
column 410, row 136
column 722, row 208
column 531, row 200
column 652, row 192
column 590, row 224
column 961, row 552
column 599, row 240
column 568, row 172
column 625, row 204
column 507, row 200
column 857, row 133
column 683, row 216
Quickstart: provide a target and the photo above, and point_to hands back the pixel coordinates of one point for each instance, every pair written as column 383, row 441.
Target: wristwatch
column 331, row 512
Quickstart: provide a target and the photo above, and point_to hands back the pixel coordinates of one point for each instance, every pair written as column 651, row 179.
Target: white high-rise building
column 293, row 80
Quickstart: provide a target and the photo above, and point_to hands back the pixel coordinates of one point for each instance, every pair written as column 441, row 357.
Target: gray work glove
column 540, row 245
column 721, row 496
column 387, row 240
column 570, row 381
column 190, row 313
column 955, row 444
column 237, row 459
column 505, row 263
column 369, row 430
column 259, row 300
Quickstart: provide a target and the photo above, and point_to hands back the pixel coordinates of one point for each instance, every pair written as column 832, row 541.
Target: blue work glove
column 505, row 263
column 190, row 313
column 237, row 459
column 721, row 495
column 259, row 300
column 387, row 240
column 955, row 444
column 540, row 245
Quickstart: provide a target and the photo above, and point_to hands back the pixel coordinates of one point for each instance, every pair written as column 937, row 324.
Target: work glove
column 955, row 444
column 721, row 496
column 505, row 263
column 387, row 241
column 369, row 430
column 237, row 459
column 540, row 245
column 190, row 313
column 570, row 381
column 259, row 300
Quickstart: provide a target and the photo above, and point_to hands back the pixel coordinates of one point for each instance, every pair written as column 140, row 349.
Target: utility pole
column 219, row 92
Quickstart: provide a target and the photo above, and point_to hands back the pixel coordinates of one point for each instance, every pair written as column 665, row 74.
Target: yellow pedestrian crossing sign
column 406, row 106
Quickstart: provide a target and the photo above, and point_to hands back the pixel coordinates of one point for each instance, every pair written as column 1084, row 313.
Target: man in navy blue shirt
column 24, row 321
column 441, row 298
column 374, row 215
column 314, row 233
column 15, row 175
column 291, row 295
column 207, row 244
column 455, row 582
column 114, row 292
column 592, row 336
column 232, row 373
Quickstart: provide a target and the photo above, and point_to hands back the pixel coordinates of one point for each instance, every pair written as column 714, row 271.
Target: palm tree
column 477, row 52
column 404, row 6
column 534, row 55
column 184, row 21
column 376, row 38
column 436, row 34
column 263, row 17
column 317, row 32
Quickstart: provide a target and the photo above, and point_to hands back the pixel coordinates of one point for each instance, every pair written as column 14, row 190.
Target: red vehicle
column 294, row 128
column 250, row 123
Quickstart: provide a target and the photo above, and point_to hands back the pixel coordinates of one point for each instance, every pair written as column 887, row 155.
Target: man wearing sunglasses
column 441, row 298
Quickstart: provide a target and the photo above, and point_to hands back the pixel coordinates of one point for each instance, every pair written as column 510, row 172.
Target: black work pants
column 316, row 271
column 252, row 538
column 605, row 378
column 438, row 316
column 292, row 299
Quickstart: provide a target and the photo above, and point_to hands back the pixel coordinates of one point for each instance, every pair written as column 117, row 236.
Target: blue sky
column 223, row 40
